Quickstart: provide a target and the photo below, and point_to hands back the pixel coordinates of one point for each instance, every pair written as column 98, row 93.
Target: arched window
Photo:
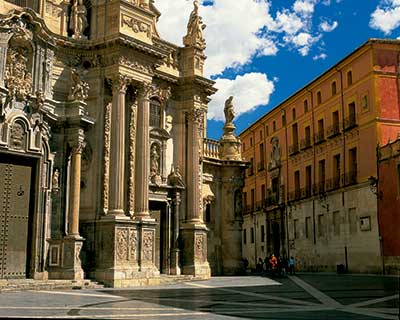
column 155, row 113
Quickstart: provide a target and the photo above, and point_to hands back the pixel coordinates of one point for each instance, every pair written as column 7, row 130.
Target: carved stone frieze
column 107, row 146
column 17, row 79
column 135, row 65
column 136, row 25
column 132, row 153
column 148, row 245
column 121, row 244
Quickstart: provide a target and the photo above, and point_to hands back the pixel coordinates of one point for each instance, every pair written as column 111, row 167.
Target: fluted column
column 117, row 154
column 143, row 153
column 73, row 220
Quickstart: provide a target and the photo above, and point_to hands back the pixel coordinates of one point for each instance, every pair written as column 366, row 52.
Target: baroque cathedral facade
column 106, row 172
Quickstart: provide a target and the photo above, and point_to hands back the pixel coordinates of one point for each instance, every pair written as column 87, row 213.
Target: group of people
column 274, row 266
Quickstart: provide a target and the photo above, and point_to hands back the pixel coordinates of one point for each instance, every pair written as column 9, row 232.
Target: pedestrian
column 291, row 266
column 284, row 266
column 259, row 266
column 273, row 263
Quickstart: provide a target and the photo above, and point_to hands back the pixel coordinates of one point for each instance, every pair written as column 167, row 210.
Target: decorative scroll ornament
column 17, row 79
column 79, row 89
column 195, row 27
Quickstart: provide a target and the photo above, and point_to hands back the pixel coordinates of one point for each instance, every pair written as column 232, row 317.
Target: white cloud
column 386, row 16
column 321, row 56
column 304, row 6
column 327, row 27
column 249, row 90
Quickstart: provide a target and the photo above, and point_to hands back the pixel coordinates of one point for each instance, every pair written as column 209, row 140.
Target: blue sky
column 263, row 51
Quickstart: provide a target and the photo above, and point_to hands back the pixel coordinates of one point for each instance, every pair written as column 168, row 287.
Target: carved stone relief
column 17, row 136
column 106, row 176
column 148, row 244
column 132, row 152
column 199, row 247
column 17, row 79
column 136, row 25
column 121, row 244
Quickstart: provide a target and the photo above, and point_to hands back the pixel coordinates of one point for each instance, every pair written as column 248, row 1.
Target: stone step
column 168, row 279
column 30, row 284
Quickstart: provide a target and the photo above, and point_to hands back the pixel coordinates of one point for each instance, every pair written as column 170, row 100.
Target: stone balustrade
column 211, row 149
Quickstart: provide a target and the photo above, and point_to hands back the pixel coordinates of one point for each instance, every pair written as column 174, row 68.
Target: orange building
column 308, row 190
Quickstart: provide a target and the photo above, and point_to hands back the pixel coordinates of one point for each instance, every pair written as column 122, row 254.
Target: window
column 244, row 236
column 321, row 225
column 336, row 223
column 252, row 235
column 319, row 97
column 263, row 192
column 321, row 175
column 336, row 171
column 267, row 131
column 295, row 134
column 293, row 114
column 308, row 227
column 252, row 199
column 365, row 223
column 261, row 164
column 251, row 142
column 155, row 113
column 295, row 226
column 274, row 126
column 353, row 159
column 349, row 78
column 305, row 106
column 251, row 169
column 297, row 182
column 308, row 181
column 307, row 133
column 335, row 122
column 262, row 233
column 352, row 114
column 321, row 131
column 261, row 135
column 333, row 88
column 208, row 213
column 283, row 120
column 244, row 147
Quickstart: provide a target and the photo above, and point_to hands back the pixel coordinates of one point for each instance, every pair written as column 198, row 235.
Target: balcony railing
column 333, row 131
column 350, row 122
column 305, row 143
column 319, row 137
column 260, row 166
column 350, row 178
column 293, row 149
column 211, row 149
column 295, row 195
column 319, row 188
column 334, row 183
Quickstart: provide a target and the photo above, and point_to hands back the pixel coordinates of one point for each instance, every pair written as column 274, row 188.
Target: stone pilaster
column 194, row 231
column 175, row 268
column 117, row 144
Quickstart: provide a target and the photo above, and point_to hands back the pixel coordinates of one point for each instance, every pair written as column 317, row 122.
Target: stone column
column 175, row 269
column 143, row 154
column 117, row 143
column 73, row 219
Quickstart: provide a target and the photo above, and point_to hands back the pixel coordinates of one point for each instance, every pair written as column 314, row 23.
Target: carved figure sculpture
column 275, row 157
column 55, row 180
column 154, row 160
column 195, row 29
column 228, row 110
column 79, row 89
column 78, row 21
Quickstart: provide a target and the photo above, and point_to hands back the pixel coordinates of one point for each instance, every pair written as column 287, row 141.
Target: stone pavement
column 304, row 296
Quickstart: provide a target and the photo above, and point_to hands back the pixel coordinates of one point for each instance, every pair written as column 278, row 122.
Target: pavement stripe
column 385, row 310
column 366, row 312
column 112, row 316
column 80, row 294
column 89, row 308
column 374, row 301
column 322, row 297
column 256, row 295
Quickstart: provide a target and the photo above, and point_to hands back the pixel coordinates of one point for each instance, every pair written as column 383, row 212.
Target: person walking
column 291, row 266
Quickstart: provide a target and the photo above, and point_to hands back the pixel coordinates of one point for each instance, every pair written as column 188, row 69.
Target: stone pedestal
column 194, row 251
column 175, row 270
column 230, row 145
column 126, row 253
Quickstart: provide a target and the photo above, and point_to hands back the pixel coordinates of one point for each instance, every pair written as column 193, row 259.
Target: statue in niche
column 79, row 89
column 229, row 112
column 195, row 29
column 78, row 21
column 155, row 163
column 17, row 136
column 275, row 156
column 55, row 180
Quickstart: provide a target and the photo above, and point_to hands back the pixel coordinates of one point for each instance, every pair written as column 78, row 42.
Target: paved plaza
column 304, row 296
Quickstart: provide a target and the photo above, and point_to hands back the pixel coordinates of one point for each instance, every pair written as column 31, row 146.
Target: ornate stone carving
column 79, row 89
column 78, row 249
column 175, row 178
column 155, row 156
column 78, row 20
column 106, row 176
column 119, row 84
column 17, row 79
column 136, row 25
column 121, row 244
column 135, row 65
column 133, row 242
column 148, row 244
column 132, row 153
column 196, row 116
column 55, row 181
column 195, row 27
column 17, row 136
column 77, row 148
column 199, row 247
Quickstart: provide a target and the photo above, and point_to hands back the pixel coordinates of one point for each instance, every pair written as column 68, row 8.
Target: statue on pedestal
column 78, row 20
column 195, row 27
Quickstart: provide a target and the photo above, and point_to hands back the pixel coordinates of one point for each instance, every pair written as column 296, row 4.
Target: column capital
column 77, row 147
column 195, row 115
column 119, row 83
column 149, row 90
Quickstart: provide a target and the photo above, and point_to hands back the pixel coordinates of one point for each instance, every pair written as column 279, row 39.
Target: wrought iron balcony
column 319, row 137
column 319, row 188
column 305, row 143
column 334, row 183
column 333, row 131
column 293, row 149
column 350, row 178
column 260, row 166
column 350, row 122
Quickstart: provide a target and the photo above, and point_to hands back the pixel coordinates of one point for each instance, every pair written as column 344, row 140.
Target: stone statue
column 229, row 112
column 154, row 160
column 55, row 180
column 195, row 27
column 275, row 156
column 78, row 21
column 79, row 89
column 175, row 178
